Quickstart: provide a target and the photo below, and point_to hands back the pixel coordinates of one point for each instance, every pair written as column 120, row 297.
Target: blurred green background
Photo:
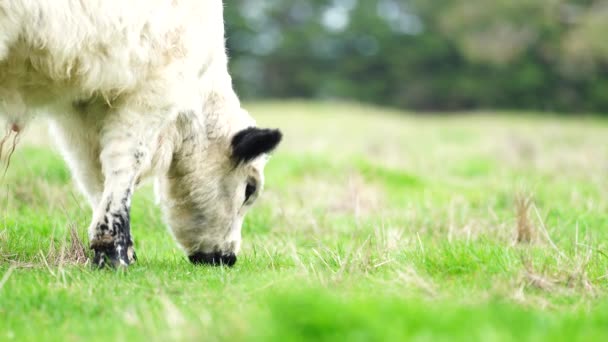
column 427, row 55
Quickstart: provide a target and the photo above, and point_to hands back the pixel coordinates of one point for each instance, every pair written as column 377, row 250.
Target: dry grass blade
column 569, row 280
column 72, row 251
column 410, row 276
column 77, row 252
column 540, row 281
column 525, row 228
column 11, row 149
column 6, row 276
column 3, row 141
column 546, row 233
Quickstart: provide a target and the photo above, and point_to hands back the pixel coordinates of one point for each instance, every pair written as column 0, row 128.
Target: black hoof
column 214, row 259
column 113, row 256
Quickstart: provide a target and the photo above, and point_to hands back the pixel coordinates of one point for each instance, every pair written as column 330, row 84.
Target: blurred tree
column 421, row 54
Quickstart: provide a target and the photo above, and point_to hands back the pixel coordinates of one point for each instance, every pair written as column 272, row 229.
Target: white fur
column 134, row 88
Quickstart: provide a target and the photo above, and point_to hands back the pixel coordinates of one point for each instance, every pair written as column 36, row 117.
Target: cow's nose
column 215, row 259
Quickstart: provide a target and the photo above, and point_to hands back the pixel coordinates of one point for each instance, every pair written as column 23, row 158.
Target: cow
column 135, row 89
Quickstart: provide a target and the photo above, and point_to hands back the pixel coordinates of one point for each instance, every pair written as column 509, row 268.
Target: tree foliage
column 429, row 55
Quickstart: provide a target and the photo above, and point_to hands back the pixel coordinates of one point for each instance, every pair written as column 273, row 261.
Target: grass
column 375, row 225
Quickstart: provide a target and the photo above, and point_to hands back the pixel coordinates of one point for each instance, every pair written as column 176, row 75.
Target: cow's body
column 133, row 87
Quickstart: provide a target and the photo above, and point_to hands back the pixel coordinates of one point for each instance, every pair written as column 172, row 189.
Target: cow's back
column 71, row 48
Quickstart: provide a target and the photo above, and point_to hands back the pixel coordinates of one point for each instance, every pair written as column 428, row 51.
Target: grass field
column 375, row 225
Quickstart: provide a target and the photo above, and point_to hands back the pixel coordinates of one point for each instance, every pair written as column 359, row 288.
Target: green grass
column 375, row 225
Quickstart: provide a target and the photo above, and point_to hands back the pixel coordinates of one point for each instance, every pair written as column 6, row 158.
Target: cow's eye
column 250, row 190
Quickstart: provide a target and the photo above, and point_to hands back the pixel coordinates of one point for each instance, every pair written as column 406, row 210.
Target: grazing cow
column 137, row 88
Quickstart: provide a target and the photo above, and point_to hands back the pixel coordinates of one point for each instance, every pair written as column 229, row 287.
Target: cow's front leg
column 110, row 233
column 127, row 141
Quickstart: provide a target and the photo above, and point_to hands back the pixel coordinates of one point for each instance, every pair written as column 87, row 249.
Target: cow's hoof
column 214, row 259
column 114, row 256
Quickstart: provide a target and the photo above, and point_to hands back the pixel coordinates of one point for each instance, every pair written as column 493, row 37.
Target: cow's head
column 209, row 189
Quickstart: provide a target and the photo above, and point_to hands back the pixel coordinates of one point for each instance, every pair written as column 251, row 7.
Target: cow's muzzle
column 215, row 259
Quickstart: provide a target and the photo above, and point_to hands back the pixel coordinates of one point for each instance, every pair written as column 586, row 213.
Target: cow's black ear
column 252, row 142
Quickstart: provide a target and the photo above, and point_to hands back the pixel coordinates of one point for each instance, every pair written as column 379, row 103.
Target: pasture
column 374, row 225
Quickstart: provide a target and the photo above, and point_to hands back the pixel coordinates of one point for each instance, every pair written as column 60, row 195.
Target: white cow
column 137, row 88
